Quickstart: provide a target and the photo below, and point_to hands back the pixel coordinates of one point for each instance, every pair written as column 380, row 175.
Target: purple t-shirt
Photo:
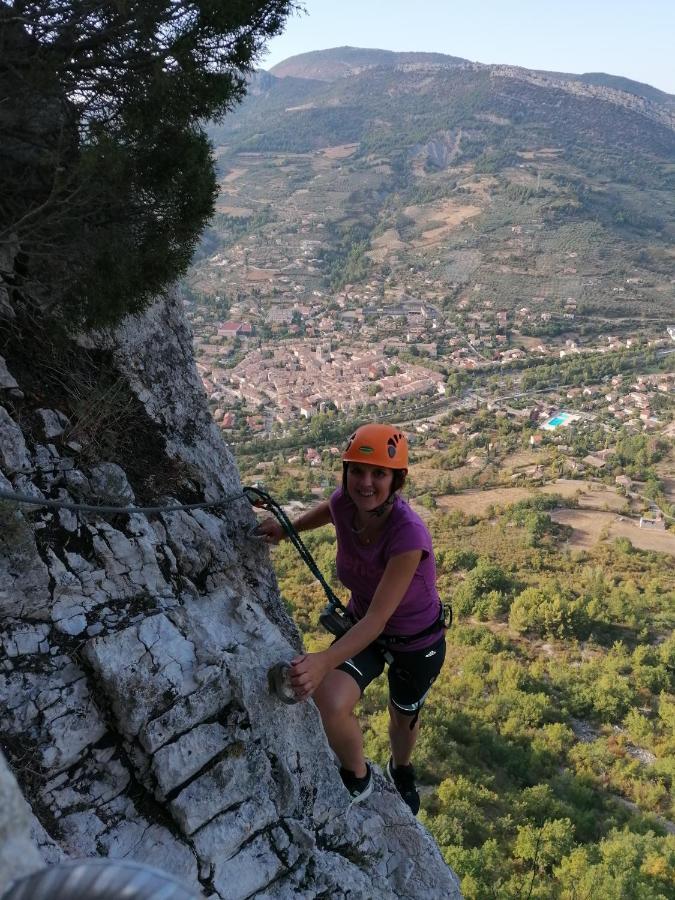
column 361, row 566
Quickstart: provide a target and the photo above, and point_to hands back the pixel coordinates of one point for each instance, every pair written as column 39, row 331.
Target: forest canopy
column 107, row 179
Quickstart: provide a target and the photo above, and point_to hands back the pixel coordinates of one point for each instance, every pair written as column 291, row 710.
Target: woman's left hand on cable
column 307, row 673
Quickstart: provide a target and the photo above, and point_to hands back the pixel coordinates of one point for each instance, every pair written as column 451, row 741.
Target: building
column 233, row 329
column 656, row 524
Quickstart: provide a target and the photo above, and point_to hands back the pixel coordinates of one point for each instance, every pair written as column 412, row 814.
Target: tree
column 484, row 579
column 623, row 865
column 549, row 611
column 107, row 179
column 545, row 846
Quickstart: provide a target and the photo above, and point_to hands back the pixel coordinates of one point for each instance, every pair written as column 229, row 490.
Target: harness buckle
column 334, row 620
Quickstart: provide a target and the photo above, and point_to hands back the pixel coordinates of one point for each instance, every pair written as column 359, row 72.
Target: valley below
column 482, row 255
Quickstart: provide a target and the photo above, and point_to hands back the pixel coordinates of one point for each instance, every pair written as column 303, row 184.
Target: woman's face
column 368, row 486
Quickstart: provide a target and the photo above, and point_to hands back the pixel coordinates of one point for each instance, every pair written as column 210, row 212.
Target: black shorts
column 410, row 674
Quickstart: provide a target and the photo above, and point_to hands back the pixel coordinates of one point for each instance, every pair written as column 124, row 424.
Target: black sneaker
column 403, row 779
column 359, row 788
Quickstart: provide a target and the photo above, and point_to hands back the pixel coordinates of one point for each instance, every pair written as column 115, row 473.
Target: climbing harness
column 443, row 621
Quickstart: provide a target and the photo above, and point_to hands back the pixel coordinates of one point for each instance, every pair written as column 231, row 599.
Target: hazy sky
column 635, row 38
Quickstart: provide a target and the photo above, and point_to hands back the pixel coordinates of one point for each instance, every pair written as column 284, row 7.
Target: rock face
column 134, row 710
column 19, row 855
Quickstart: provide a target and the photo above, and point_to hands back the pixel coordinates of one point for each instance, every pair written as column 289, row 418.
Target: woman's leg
column 411, row 676
column 336, row 697
column 401, row 737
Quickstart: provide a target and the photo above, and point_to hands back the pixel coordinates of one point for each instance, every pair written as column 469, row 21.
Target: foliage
column 347, row 261
column 636, row 453
column 107, row 180
column 584, row 370
column 519, row 804
column 623, row 865
column 549, row 612
column 483, row 590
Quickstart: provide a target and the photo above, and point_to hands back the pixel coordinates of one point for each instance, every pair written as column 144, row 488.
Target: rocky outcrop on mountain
column 441, row 150
column 656, row 112
column 343, row 62
column 134, row 709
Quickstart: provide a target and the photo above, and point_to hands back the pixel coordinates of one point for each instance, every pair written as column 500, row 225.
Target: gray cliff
column 135, row 718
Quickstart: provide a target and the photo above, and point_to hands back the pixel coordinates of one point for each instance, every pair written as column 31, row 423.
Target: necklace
column 379, row 516
column 358, row 532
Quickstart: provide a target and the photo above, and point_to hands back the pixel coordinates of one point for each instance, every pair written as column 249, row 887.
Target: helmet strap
column 383, row 507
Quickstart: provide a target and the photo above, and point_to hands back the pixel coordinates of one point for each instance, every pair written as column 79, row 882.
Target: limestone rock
column 229, row 783
column 186, row 713
column 7, row 380
column 24, row 578
column 19, row 854
column 133, row 694
column 6, row 311
column 52, row 422
column 13, row 452
column 109, row 485
column 254, row 867
column 222, row 837
column 144, row 668
column 175, row 764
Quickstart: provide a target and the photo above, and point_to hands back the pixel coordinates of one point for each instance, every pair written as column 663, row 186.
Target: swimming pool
column 560, row 419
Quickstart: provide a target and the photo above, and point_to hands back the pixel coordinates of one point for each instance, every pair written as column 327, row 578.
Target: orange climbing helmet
column 378, row 445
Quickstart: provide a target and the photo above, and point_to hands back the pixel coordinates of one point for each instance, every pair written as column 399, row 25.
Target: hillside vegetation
column 548, row 742
column 458, row 209
column 443, row 179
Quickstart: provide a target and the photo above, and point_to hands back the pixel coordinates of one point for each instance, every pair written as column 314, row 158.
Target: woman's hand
column 270, row 531
column 307, row 673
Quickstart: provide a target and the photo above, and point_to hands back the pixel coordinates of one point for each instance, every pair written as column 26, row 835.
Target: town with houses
column 434, row 327
column 346, row 359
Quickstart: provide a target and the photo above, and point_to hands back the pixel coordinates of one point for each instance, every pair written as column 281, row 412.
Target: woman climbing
column 385, row 558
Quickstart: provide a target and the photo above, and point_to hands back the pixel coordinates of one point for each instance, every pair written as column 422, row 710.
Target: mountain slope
column 629, row 86
column 440, row 181
column 340, row 62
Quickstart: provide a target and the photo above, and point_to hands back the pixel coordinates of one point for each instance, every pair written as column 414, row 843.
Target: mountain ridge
column 456, row 185
column 340, row 62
